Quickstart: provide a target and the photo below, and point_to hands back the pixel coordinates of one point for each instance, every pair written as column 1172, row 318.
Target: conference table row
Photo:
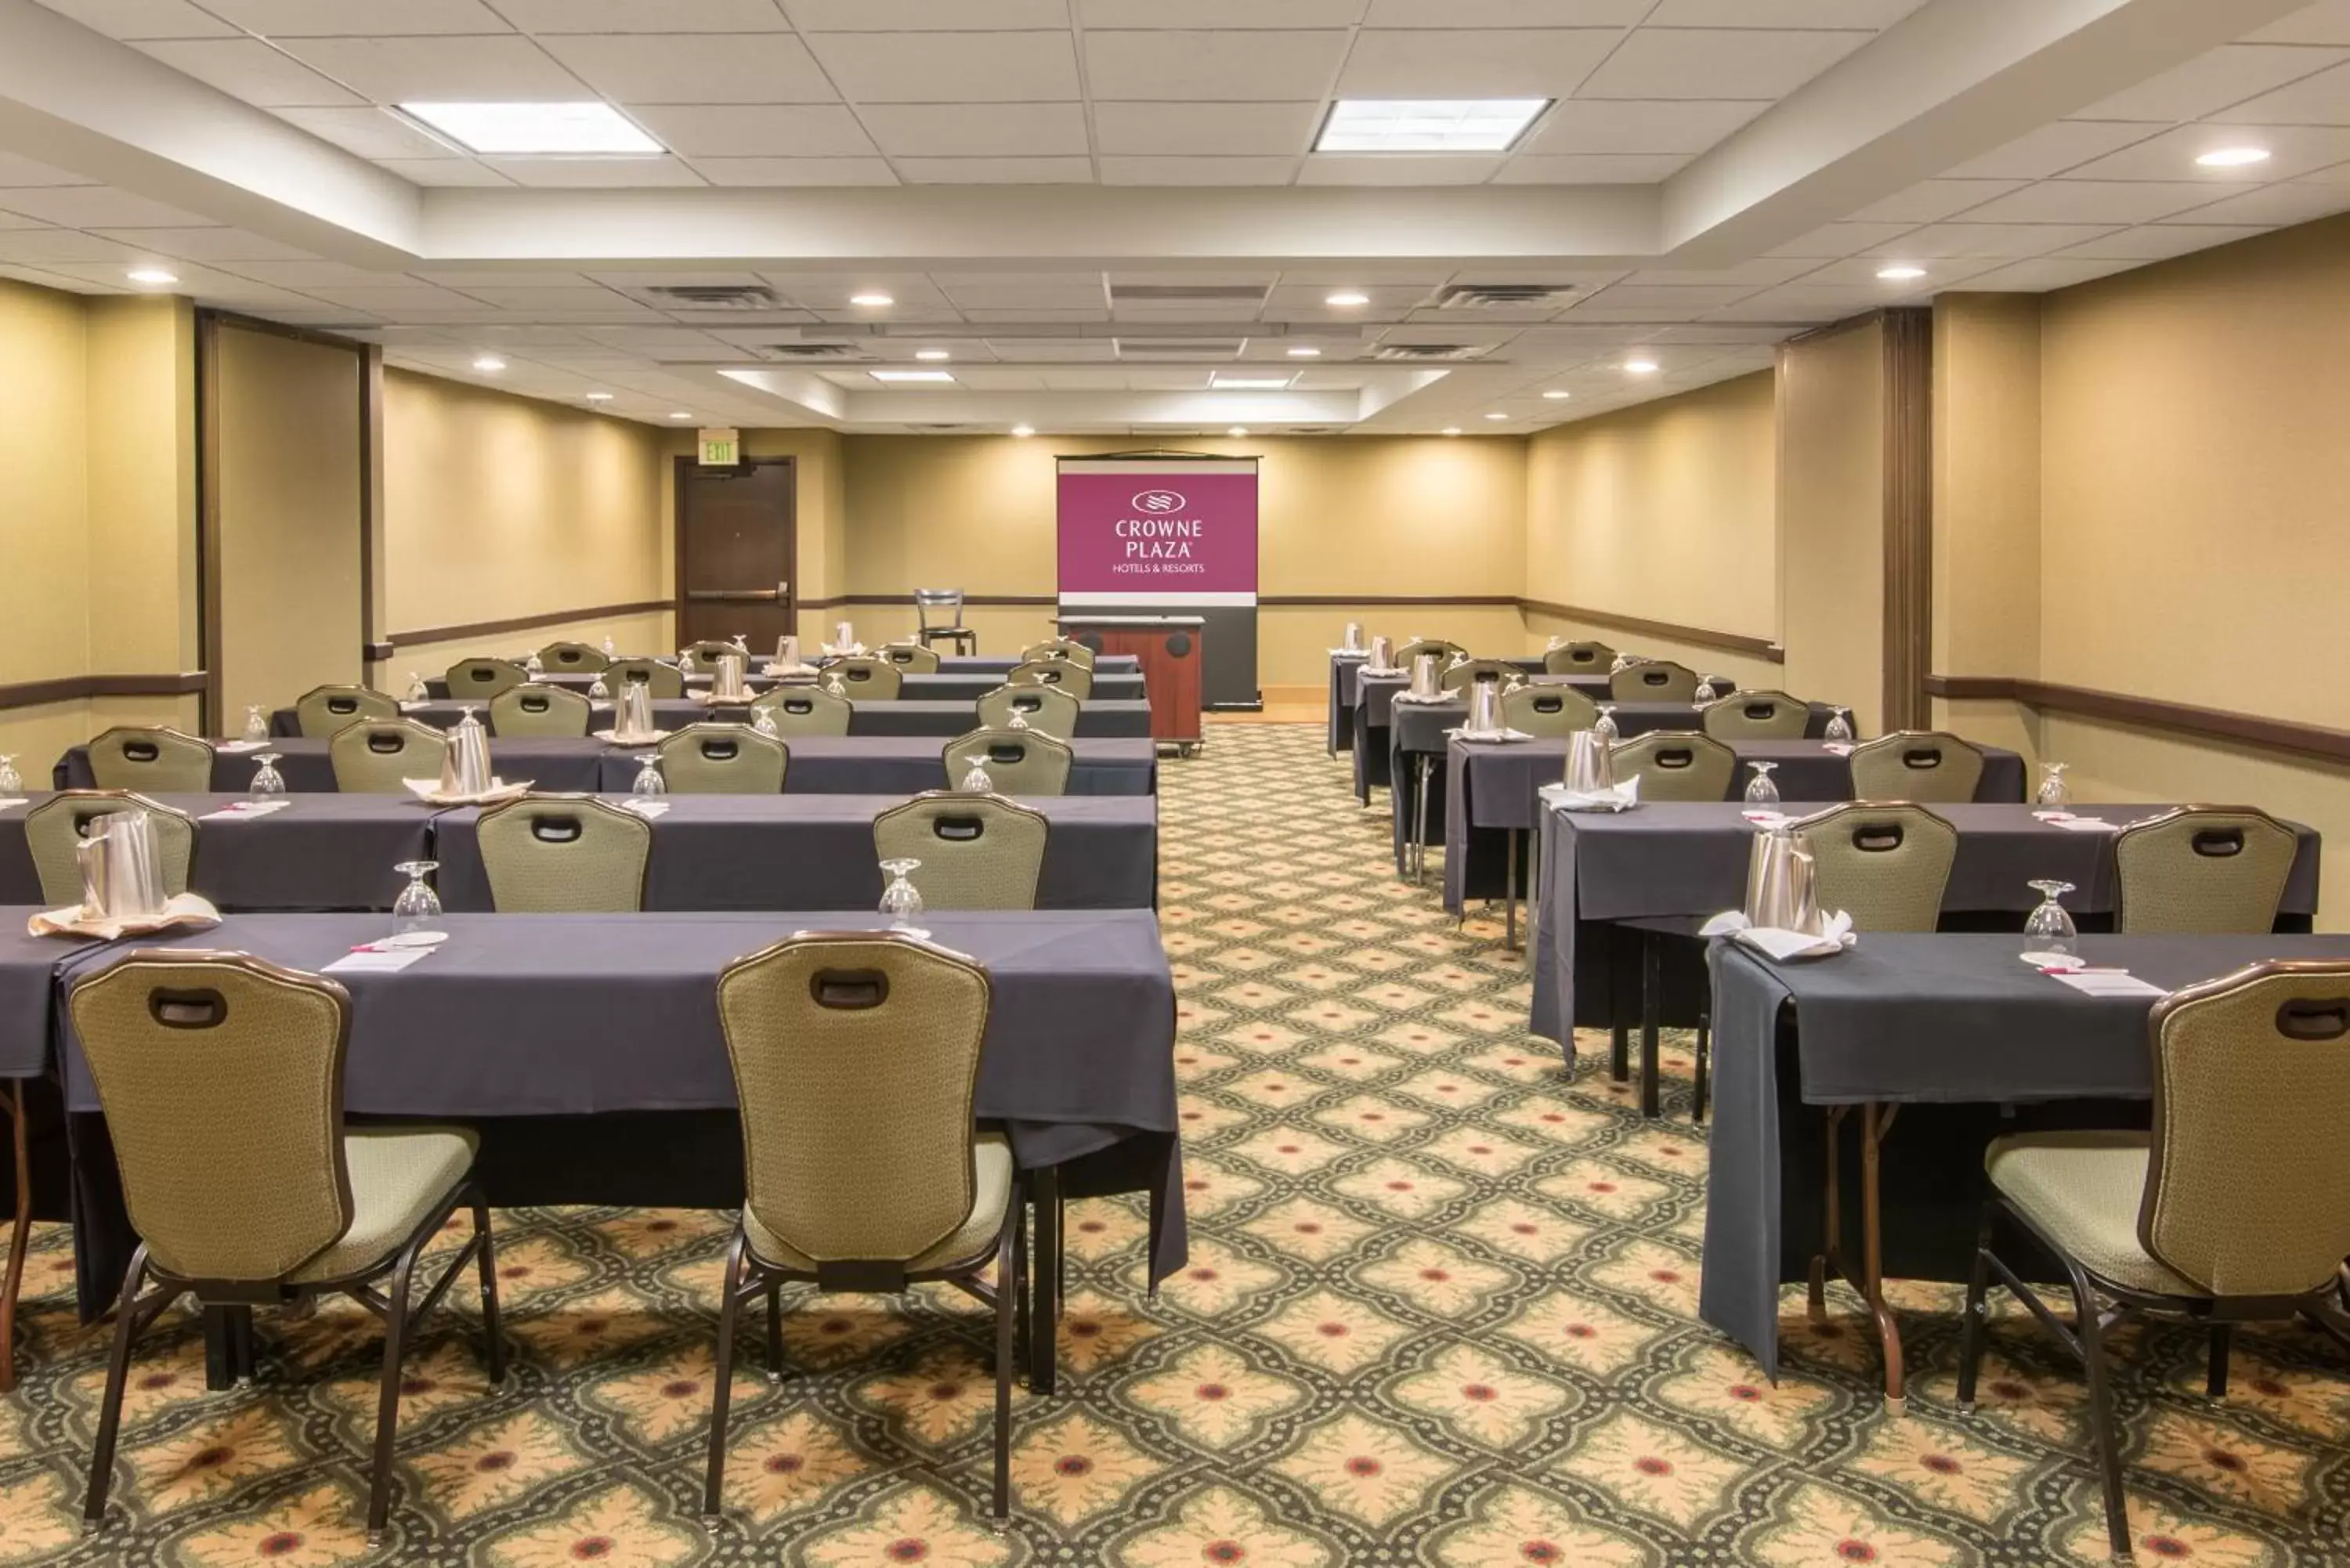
column 944, row 686
column 587, row 1051
column 819, row 765
column 317, row 852
column 1098, row 719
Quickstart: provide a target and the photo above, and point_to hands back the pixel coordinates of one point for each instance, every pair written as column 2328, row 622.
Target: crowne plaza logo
column 1158, row 503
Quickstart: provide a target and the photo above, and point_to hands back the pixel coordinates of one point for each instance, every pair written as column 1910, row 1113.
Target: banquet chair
column 1018, row 761
column 1066, row 647
column 663, row 682
column 1047, row 708
column 1444, row 652
column 1653, row 681
column 373, row 756
column 1578, row 659
column 1076, row 680
column 479, row 679
column 323, row 710
column 806, row 710
column 565, row 855
column 723, row 759
column 572, row 659
column 2234, row 1209
column 539, row 709
column 1917, row 764
column 55, row 828
column 911, row 656
column 1547, row 711
column 856, row 1062
column 946, row 603
column 1756, row 716
column 1460, row 676
column 2203, row 868
column 152, row 758
column 978, row 851
column 1676, row 765
column 866, row 678
column 222, row 1081
column 707, row 651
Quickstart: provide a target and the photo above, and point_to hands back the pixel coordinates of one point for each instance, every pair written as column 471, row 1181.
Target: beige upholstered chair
column 867, row 678
column 855, row 1059
column 1066, row 647
column 1917, row 764
column 1076, row 680
column 1756, row 716
column 709, row 650
column 1444, row 652
column 55, row 828
column 2235, row 1207
column 323, row 710
column 1459, row 677
column 562, row 854
column 1018, row 761
column 222, row 1081
column 1676, row 765
column 1578, row 659
column 662, row 681
column 2203, row 868
column 572, row 659
column 912, row 657
column 978, row 851
column 1548, row 712
column 373, row 756
column 806, row 710
column 723, row 759
column 1653, row 681
column 539, row 709
column 479, row 679
column 150, row 759
column 1885, row 865
column 1047, row 708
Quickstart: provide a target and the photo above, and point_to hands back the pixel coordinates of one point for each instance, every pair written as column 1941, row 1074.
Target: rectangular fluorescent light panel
column 524, row 128
column 1249, row 383
column 911, row 374
column 1428, row 125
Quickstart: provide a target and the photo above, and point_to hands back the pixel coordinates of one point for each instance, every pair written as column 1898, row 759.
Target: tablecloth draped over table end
column 1550, row 949
column 1738, row 1281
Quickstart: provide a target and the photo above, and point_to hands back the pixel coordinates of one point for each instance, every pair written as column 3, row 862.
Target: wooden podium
column 1169, row 648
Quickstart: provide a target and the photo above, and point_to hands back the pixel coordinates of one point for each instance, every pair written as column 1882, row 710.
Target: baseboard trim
column 2148, row 712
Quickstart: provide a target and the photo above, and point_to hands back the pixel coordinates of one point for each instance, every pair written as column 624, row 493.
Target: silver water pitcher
column 1423, row 675
column 1382, row 653
column 1590, row 764
column 635, row 719
column 122, row 873
column 1484, row 707
column 844, row 635
column 788, row 650
column 1353, row 639
column 465, row 766
column 1782, row 891
column 729, row 682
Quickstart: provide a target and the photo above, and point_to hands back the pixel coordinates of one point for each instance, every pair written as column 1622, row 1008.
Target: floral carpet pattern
column 1441, row 1309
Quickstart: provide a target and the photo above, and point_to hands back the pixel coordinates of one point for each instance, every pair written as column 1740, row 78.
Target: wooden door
column 735, row 551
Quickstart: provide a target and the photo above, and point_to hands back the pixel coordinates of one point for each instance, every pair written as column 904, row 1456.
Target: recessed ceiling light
column 1237, row 432
column 1348, row 299
column 1497, row 416
column 1428, row 125
column 152, row 274
column 1556, row 396
column 1640, row 367
column 1451, row 429
column 599, row 397
column 680, row 414
column 871, row 299
column 1305, row 353
column 1248, row 383
column 933, row 354
column 489, row 362
column 922, row 375
column 2233, row 157
column 1023, row 430
column 1900, row 274
column 536, row 128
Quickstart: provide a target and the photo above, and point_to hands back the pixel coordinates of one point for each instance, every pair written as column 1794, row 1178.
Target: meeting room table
column 965, row 686
column 1958, row 1038
column 1614, row 889
column 1098, row 718
column 819, row 765
column 586, row 1050
column 1346, row 667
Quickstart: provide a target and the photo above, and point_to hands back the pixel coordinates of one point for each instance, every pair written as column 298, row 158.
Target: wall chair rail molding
column 83, row 688
column 518, row 623
column 2147, row 713
column 1727, row 641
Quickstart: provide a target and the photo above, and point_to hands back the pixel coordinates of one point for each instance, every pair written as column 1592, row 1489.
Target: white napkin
column 1350, row 653
column 1836, row 748
column 654, row 739
column 2071, row 824
column 1620, row 797
column 1767, row 819
column 2102, row 982
column 1439, row 696
column 235, row 746
column 648, row 809
column 1835, row 935
column 243, row 808
column 412, row 707
column 13, row 802
column 1492, row 737
column 376, row 960
column 184, row 909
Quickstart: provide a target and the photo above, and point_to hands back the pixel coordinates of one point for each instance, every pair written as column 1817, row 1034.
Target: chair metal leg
column 1044, row 1312
column 2215, row 1381
column 20, row 1236
column 1970, row 1347
column 127, row 1320
column 1416, row 850
column 1704, row 1063
column 1022, row 1309
column 730, row 1306
column 775, row 1331
column 1652, row 1010
column 240, row 1341
column 485, row 1264
column 1007, row 1291
column 1509, row 889
column 1876, row 1120
column 387, row 1409
column 2090, row 1332
column 1815, row 1301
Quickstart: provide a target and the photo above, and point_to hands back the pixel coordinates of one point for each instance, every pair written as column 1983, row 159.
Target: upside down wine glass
column 1604, row 725
column 418, row 907
column 256, row 723
column 2053, row 791
column 2049, row 934
column 901, row 901
column 1760, row 790
column 266, row 779
column 649, row 780
column 10, row 779
column 1840, row 725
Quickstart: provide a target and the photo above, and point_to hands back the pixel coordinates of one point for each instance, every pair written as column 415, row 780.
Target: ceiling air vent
column 1504, row 296
column 1181, row 349
column 828, row 351
column 1421, row 352
column 1186, row 293
column 938, row 429
column 718, row 296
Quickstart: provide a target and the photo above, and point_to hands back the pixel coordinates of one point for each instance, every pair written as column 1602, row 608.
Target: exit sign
column 720, row 448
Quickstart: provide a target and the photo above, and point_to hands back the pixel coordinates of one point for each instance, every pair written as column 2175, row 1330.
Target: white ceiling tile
column 795, row 171
column 388, row 292
column 2045, row 273
column 2327, row 22
column 548, row 16
column 1265, row 67
column 2050, row 149
column 2094, row 202
column 1860, row 273
column 370, row 132
column 757, row 131
column 2211, row 82
column 2276, row 206
column 1474, row 62
column 1869, row 14
column 595, row 174
column 2321, row 99
column 442, row 171
column 499, row 69
column 209, row 244
column 17, row 172
column 310, row 274
column 695, row 68
column 18, row 221
column 39, row 246
column 1169, row 130
column 143, row 18
column 1506, row 13
column 924, row 16
column 1198, row 170
column 1399, row 169
column 2157, row 241
column 1009, row 317
column 98, row 206
column 1085, row 293
column 996, row 170
column 1717, row 63
column 357, row 18
column 1834, row 240
column 533, row 297
column 1587, row 125
column 978, row 130
column 469, row 278
column 1700, row 296
column 1931, row 201
column 1594, row 169
column 2295, row 151
column 1760, row 273
column 252, row 70
column 950, row 68
column 1796, row 303
column 1991, row 240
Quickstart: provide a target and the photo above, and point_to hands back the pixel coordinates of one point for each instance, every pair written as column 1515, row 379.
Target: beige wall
column 45, row 517
column 1986, row 584
column 1831, row 518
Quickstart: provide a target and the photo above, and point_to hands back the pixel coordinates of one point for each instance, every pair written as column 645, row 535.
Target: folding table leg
column 1619, row 1045
column 1044, row 1313
column 1652, row 1009
column 1510, row 891
column 1868, row 1281
column 20, row 1235
column 1418, row 849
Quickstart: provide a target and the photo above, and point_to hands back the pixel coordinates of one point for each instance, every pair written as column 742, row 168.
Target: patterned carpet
column 1441, row 1311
